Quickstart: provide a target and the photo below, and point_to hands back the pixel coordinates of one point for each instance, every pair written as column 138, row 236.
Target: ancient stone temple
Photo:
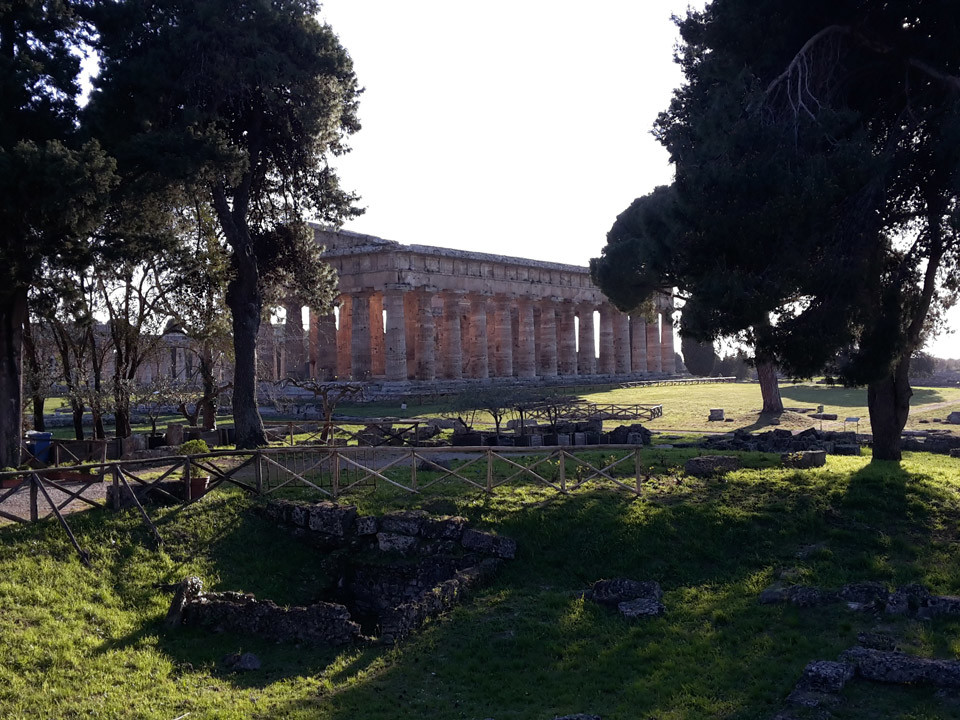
column 421, row 313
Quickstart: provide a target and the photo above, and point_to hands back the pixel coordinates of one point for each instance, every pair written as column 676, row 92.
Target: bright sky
column 516, row 127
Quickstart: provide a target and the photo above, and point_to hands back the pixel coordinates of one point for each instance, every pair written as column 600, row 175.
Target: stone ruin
column 393, row 573
column 632, row 598
column 785, row 441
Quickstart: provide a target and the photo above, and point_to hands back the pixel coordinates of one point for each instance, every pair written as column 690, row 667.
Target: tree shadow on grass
column 837, row 396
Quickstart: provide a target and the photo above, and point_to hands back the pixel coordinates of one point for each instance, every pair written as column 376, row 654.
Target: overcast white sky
column 513, row 127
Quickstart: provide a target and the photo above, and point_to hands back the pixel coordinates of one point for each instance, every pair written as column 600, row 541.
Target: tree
column 53, row 186
column 248, row 100
column 816, row 158
column 700, row 358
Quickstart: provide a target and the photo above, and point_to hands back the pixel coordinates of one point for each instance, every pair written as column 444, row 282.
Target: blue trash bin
column 41, row 442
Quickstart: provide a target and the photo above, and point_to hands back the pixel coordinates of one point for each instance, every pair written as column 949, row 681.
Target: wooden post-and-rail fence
column 330, row 471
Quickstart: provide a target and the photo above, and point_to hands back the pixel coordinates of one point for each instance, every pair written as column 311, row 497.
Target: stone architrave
column 323, row 342
column 452, row 340
column 344, row 337
column 504, row 337
column 396, row 336
column 477, row 365
column 638, row 344
column 360, row 367
column 607, row 359
column 426, row 339
column 567, row 340
column 526, row 362
column 653, row 347
column 621, row 342
column 668, row 361
column 587, row 357
column 547, row 366
column 377, row 339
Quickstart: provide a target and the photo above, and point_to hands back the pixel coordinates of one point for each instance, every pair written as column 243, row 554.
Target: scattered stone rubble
column 909, row 600
column 588, row 432
column 711, row 465
column 402, row 569
column 822, row 681
column 785, row 441
column 632, row 598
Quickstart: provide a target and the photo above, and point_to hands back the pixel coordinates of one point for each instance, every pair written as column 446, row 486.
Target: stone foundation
column 395, row 572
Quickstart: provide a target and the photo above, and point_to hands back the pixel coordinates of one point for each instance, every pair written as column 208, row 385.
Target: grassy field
column 81, row 642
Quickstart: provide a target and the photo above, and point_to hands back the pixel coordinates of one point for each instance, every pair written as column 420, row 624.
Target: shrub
column 194, row 447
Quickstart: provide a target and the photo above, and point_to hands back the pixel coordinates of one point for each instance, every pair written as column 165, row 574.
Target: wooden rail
column 329, row 471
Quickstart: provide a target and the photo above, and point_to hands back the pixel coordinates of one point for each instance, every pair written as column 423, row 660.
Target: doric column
column 653, row 347
column 378, row 361
column 621, row 342
column 344, row 337
column 526, row 336
column 478, row 366
column 360, row 366
column 396, row 337
column 296, row 363
column 638, row 344
column 323, row 346
column 587, row 357
column 607, row 361
column 547, row 367
column 668, row 362
column 504, row 354
column 452, row 337
column 567, row 340
column 411, row 312
column 426, row 339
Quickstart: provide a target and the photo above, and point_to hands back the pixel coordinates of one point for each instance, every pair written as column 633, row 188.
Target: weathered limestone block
column 318, row 624
column 804, row 459
column 846, row 449
column 954, row 418
column 332, row 519
column 899, row 668
column 403, row 522
column 299, row 515
column 716, row 414
column 489, row 544
column 367, row 525
column 708, row 465
column 617, row 590
column 391, row 542
column 799, row 595
column 450, row 528
column 641, row 607
column 826, row 676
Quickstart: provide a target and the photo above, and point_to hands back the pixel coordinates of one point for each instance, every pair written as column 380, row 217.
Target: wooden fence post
column 335, row 480
column 638, row 468
column 258, row 470
column 34, row 512
column 186, row 479
column 489, row 470
column 115, row 473
column 563, row 470
column 413, row 469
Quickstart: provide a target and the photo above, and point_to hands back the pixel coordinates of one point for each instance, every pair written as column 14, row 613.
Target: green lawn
column 81, row 642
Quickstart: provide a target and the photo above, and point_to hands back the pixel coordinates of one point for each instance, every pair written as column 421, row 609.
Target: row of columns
column 448, row 335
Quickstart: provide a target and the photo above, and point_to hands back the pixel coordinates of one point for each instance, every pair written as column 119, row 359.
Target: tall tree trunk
column 208, row 403
column 246, row 305
column 13, row 315
column 888, row 400
column 769, row 387
column 76, row 410
column 37, row 397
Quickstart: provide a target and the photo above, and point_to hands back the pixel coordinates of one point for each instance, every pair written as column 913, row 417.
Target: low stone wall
column 397, row 571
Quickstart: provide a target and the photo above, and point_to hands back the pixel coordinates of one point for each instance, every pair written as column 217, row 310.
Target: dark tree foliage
column 815, row 202
column 52, row 185
column 699, row 357
column 246, row 99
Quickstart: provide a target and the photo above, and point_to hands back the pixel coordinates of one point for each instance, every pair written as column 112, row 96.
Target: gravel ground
column 18, row 503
